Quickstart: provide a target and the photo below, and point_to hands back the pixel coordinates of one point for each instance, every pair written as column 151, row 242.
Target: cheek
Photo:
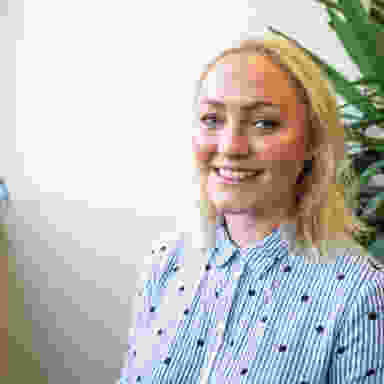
column 282, row 150
column 203, row 147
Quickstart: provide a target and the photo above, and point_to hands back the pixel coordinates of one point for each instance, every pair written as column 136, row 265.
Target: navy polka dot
column 304, row 298
column 287, row 268
column 371, row 372
column 247, row 314
column 341, row 350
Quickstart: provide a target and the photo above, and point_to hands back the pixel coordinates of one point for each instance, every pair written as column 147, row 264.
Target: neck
column 245, row 229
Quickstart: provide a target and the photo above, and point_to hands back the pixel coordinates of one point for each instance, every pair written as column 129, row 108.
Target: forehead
column 244, row 77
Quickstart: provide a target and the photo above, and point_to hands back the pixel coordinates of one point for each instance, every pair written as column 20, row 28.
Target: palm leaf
column 342, row 85
column 372, row 170
column 368, row 81
column 353, row 45
column 374, row 204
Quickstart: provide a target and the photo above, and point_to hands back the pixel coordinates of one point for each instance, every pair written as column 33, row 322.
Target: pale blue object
column 4, row 194
column 275, row 319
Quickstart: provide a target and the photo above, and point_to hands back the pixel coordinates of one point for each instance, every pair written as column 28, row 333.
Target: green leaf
column 377, row 148
column 372, row 170
column 374, row 204
column 342, row 85
column 353, row 45
column 331, row 4
column 366, row 123
column 364, row 32
column 368, row 80
column 377, row 249
column 349, row 116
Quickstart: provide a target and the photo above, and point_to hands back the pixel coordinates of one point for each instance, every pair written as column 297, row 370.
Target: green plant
column 362, row 34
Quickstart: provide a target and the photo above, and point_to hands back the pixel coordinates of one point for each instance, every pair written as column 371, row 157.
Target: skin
column 252, row 209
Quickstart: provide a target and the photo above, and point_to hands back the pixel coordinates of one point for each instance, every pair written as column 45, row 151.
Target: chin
column 234, row 208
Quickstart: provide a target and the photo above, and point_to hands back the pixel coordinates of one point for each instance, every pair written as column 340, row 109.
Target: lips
column 258, row 171
column 238, row 169
column 223, row 179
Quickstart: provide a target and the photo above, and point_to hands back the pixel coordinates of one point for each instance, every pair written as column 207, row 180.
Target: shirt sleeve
column 149, row 276
column 359, row 351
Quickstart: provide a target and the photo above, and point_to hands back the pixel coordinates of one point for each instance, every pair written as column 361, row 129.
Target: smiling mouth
column 258, row 173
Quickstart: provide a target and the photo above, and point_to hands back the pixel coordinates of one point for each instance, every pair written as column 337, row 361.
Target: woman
column 275, row 289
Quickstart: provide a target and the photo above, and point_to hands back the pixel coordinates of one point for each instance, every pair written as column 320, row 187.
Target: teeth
column 235, row 175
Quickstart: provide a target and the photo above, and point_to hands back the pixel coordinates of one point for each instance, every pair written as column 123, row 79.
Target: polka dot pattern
column 253, row 312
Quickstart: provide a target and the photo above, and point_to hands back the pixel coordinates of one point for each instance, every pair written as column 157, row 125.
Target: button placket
column 223, row 303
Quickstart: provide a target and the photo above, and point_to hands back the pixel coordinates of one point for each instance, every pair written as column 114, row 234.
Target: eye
column 270, row 124
column 207, row 118
column 267, row 124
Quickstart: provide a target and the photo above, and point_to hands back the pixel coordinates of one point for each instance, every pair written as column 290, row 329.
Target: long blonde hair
column 324, row 203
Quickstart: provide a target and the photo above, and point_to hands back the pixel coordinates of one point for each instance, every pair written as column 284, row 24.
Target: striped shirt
column 259, row 315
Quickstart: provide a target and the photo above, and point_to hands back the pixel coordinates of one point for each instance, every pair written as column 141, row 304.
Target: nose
column 233, row 143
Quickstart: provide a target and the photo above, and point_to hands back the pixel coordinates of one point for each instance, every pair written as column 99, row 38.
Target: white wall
column 98, row 162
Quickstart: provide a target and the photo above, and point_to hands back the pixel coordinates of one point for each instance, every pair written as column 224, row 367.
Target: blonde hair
column 324, row 203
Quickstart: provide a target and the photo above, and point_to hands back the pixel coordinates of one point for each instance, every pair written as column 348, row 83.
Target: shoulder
column 154, row 262
column 161, row 249
column 357, row 254
column 164, row 245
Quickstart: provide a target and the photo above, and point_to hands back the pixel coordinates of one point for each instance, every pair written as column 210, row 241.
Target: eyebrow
column 252, row 105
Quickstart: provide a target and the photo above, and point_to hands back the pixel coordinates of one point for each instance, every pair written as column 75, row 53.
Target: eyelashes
column 268, row 124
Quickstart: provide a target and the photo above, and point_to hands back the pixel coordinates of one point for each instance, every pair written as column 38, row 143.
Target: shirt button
column 220, row 328
column 237, row 274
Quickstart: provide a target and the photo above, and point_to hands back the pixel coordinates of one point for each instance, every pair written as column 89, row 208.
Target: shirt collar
column 206, row 235
column 279, row 243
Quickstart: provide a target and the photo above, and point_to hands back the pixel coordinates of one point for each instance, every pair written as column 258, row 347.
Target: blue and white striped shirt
column 257, row 315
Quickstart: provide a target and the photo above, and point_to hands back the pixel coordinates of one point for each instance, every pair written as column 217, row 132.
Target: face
column 271, row 136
